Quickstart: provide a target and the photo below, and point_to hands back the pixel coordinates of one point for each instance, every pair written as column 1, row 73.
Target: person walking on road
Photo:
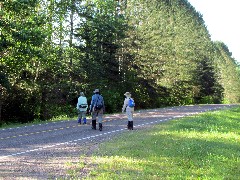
column 82, row 106
column 129, row 106
column 97, row 108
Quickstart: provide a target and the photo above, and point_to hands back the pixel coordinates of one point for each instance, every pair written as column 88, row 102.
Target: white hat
column 96, row 91
column 128, row 94
column 81, row 93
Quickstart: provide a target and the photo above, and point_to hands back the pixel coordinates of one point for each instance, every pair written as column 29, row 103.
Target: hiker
column 97, row 108
column 129, row 106
column 82, row 106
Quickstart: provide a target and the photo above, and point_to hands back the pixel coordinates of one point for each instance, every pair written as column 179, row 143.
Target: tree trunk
column 0, row 113
column 3, row 97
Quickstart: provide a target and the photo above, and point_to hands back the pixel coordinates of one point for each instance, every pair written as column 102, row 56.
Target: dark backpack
column 82, row 105
column 99, row 103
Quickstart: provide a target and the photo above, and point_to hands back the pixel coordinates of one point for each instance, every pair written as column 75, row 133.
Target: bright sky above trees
column 222, row 20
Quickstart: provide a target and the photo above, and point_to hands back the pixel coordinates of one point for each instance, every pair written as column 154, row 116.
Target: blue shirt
column 95, row 98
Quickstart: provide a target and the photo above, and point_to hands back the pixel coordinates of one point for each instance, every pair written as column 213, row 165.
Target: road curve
column 41, row 151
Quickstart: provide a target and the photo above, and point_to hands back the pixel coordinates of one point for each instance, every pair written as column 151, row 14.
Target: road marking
column 119, row 115
column 37, row 132
column 44, row 131
column 89, row 137
column 58, row 144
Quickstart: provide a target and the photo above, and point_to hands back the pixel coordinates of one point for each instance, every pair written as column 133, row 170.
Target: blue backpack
column 131, row 102
column 99, row 103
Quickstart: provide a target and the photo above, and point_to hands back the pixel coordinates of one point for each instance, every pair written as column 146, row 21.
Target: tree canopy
column 159, row 50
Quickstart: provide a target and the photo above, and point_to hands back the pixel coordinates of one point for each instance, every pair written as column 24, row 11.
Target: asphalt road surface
column 41, row 151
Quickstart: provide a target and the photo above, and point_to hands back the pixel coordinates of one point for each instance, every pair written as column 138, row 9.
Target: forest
column 159, row 50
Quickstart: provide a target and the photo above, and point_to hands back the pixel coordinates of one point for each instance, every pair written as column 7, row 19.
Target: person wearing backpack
column 82, row 106
column 97, row 108
column 129, row 106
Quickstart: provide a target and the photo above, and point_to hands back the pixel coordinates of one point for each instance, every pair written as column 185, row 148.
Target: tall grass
column 202, row 147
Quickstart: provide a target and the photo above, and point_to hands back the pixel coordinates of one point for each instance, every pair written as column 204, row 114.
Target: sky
column 222, row 20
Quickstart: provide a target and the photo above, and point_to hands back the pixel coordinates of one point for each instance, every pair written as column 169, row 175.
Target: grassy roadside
column 37, row 121
column 202, row 147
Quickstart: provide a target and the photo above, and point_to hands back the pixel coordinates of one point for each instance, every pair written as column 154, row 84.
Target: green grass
column 202, row 147
column 38, row 121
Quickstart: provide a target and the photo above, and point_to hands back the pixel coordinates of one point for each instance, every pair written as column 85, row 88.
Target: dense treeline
column 160, row 50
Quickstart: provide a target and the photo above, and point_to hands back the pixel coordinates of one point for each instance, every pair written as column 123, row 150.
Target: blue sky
column 222, row 20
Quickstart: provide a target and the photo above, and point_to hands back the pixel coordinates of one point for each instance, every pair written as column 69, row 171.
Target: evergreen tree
column 229, row 76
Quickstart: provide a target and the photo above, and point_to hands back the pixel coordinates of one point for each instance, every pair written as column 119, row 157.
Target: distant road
column 41, row 151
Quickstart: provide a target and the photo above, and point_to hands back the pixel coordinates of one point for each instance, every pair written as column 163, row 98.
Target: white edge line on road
column 76, row 140
column 90, row 137
column 221, row 107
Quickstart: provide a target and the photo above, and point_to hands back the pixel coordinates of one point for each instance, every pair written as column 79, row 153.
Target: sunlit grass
column 202, row 147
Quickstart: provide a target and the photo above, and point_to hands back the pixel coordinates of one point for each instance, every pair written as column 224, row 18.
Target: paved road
column 41, row 151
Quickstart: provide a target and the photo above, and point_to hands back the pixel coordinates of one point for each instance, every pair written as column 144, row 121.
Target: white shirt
column 125, row 105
